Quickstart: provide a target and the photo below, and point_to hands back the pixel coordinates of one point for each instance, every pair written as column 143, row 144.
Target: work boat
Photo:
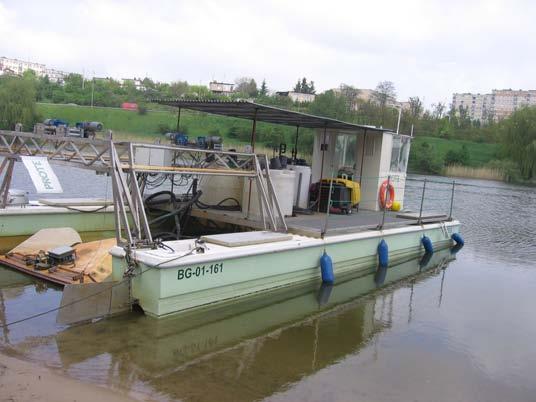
column 239, row 223
column 298, row 223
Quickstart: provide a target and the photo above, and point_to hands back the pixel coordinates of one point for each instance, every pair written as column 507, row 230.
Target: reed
column 484, row 173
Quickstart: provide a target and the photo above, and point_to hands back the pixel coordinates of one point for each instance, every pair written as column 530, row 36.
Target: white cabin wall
column 370, row 180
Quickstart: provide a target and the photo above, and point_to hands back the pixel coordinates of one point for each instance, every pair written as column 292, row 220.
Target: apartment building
column 496, row 106
column 18, row 67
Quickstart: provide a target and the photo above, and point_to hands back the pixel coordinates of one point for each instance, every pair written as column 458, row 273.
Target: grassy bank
column 479, row 153
column 132, row 125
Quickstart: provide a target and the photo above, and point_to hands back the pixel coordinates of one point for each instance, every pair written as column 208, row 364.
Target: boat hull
column 196, row 281
column 27, row 221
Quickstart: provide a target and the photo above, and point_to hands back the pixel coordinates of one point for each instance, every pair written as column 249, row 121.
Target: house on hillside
column 297, row 96
column 221, row 88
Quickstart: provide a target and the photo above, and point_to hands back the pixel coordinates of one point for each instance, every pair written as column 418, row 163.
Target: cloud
column 428, row 48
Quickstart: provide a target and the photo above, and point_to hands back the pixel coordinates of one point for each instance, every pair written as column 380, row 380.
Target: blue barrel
column 383, row 254
column 427, row 244
column 326, row 268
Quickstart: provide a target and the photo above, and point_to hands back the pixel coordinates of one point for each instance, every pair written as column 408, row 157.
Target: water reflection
column 240, row 351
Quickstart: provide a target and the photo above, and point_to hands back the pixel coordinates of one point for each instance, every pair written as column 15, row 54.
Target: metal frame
column 118, row 159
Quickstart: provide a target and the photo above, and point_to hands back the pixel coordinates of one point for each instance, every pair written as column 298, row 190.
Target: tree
column 415, row 107
column 178, row 88
column 384, row 92
column 329, row 104
column 264, row 89
column 519, row 140
column 246, row 86
column 17, row 102
column 297, row 87
column 304, row 87
column 457, row 157
column 350, row 94
column 438, row 110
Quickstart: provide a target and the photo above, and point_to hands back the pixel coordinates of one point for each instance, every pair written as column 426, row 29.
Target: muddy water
column 460, row 328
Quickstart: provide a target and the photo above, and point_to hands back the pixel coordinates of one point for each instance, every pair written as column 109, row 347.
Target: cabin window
column 400, row 153
column 345, row 151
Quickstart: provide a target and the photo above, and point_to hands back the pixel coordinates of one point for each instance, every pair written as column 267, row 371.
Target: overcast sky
column 427, row 48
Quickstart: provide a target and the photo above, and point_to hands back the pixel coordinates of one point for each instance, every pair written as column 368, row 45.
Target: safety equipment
column 386, row 187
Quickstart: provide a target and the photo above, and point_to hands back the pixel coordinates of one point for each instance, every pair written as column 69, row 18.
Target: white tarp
column 43, row 177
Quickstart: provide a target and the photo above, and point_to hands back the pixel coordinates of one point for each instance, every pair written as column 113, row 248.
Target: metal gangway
column 126, row 162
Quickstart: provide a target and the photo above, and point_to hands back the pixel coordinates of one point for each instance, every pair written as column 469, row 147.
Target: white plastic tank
column 283, row 182
column 301, row 190
column 218, row 188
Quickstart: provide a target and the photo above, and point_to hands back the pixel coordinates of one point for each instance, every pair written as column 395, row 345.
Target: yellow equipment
column 355, row 190
column 396, row 206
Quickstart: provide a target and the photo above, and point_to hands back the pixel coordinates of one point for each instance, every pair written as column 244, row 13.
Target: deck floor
column 313, row 225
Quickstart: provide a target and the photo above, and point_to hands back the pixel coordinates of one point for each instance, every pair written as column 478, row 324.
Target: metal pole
column 323, row 149
column 422, row 201
column 178, row 120
column 452, row 199
column 399, row 116
column 253, row 131
column 296, row 144
column 92, row 89
column 328, row 208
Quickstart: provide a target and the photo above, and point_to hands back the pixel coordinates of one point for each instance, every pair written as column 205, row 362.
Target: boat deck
column 313, row 225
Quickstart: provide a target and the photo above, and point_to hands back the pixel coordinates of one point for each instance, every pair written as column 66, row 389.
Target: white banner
column 43, row 177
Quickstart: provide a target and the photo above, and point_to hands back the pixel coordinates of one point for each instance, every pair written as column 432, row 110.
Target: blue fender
column 427, row 244
column 383, row 254
column 326, row 268
column 458, row 239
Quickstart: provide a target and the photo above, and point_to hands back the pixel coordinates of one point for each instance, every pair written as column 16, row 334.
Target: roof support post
column 295, row 150
column 254, row 131
column 178, row 120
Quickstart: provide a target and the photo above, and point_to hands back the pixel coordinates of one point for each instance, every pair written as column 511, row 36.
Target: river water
column 463, row 329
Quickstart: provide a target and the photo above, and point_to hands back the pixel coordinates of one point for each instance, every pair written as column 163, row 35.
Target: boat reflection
column 240, row 351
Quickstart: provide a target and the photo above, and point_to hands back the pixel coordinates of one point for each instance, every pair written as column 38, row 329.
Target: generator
column 61, row 255
column 341, row 198
column 352, row 186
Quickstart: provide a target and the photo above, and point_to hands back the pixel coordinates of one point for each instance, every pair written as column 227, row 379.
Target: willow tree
column 17, row 102
column 518, row 138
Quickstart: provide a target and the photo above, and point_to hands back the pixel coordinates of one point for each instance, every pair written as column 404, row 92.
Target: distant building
column 18, row 67
column 222, row 88
column 496, row 106
column 297, row 96
column 135, row 82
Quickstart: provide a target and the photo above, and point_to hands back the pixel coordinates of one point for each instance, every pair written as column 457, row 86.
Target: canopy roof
column 269, row 114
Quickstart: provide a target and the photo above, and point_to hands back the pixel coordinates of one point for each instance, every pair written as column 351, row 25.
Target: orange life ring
column 386, row 202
